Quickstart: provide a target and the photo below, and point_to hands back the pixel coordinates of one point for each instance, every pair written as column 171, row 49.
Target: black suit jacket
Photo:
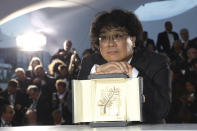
column 66, row 108
column 163, row 41
column 44, row 110
column 155, row 72
column 21, row 99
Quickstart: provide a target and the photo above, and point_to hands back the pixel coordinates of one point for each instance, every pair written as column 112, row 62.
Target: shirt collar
column 130, row 60
column 60, row 96
column 2, row 120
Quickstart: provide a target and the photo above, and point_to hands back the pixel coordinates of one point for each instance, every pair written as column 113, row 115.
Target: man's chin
column 111, row 59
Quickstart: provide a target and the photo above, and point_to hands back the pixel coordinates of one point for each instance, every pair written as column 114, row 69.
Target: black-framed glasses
column 118, row 37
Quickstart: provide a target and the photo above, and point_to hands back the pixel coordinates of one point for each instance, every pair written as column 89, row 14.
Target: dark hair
column 53, row 66
column 60, row 82
column 13, row 83
column 35, row 88
column 61, row 67
column 4, row 108
column 116, row 18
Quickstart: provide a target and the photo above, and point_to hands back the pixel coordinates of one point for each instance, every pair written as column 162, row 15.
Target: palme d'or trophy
column 108, row 100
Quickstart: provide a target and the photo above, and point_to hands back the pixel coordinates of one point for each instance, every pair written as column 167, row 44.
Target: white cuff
column 134, row 73
column 93, row 70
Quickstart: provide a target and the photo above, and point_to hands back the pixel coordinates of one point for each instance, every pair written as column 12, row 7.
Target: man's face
column 184, row 34
column 8, row 114
column 60, row 89
column 68, row 46
column 40, row 72
column 168, row 26
column 33, row 94
column 20, row 75
column 35, row 63
column 63, row 71
column 116, row 44
column 192, row 53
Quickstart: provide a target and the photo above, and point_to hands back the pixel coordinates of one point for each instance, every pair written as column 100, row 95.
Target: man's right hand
column 114, row 67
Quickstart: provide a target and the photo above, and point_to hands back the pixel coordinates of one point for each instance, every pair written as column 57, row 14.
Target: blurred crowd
column 38, row 97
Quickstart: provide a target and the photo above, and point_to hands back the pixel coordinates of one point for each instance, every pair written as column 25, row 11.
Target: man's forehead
column 112, row 29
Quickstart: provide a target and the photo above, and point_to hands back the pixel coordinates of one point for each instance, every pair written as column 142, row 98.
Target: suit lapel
column 139, row 61
column 100, row 60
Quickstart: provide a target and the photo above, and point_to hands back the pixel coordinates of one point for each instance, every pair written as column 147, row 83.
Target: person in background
column 184, row 33
column 191, row 53
column 41, row 105
column 151, row 47
column 64, row 101
column 166, row 39
column 177, row 56
column 67, row 46
column 146, row 40
column 65, row 53
column 53, row 67
column 74, row 66
column 117, row 32
column 32, row 64
column 192, row 73
column 23, row 80
column 18, row 99
column 6, row 115
column 46, row 83
column 64, row 74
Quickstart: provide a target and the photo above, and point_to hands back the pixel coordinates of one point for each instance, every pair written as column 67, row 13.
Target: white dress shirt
column 171, row 39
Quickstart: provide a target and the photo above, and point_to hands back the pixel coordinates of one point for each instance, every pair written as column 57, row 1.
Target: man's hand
column 114, row 67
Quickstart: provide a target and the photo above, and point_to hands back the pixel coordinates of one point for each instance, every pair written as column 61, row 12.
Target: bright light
column 31, row 41
column 164, row 9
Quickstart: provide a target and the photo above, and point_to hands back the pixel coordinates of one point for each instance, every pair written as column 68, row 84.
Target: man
column 41, row 105
column 47, row 82
column 6, row 115
column 191, row 54
column 116, row 33
column 166, row 39
column 67, row 46
column 146, row 40
column 15, row 97
column 64, row 101
column 23, row 80
column 65, row 53
column 185, row 38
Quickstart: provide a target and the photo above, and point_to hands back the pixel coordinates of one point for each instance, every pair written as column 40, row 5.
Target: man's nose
column 111, row 41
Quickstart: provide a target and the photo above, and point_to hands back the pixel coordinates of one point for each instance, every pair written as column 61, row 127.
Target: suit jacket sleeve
column 156, row 89
column 87, row 64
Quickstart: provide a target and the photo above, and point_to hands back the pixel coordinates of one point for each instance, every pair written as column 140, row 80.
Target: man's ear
column 133, row 39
